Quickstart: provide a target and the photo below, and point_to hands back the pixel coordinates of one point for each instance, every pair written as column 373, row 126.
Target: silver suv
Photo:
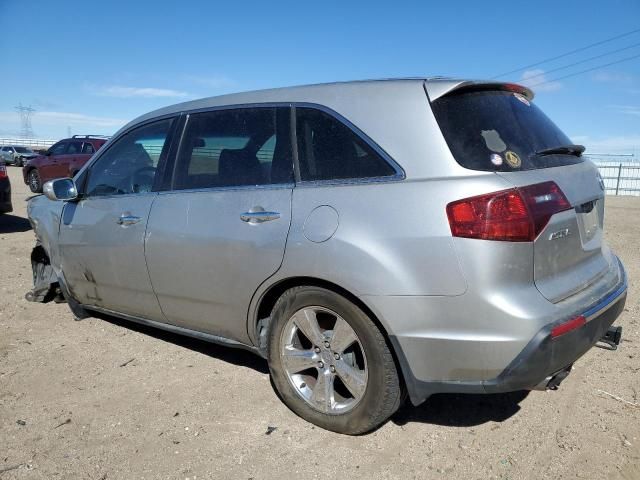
column 369, row 239
column 16, row 155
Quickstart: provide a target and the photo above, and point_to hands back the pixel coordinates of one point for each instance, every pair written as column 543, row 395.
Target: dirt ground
column 104, row 399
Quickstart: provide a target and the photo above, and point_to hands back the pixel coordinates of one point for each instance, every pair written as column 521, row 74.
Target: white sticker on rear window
column 493, row 141
column 522, row 98
column 496, row 159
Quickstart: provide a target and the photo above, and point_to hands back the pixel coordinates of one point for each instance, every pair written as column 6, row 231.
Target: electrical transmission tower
column 26, row 131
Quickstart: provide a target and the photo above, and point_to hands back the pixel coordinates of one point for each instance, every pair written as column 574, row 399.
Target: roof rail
column 91, row 136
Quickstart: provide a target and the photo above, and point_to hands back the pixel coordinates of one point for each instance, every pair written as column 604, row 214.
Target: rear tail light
column 515, row 215
column 566, row 327
column 3, row 171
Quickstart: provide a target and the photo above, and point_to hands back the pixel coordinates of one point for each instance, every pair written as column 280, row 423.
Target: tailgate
column 568, row 253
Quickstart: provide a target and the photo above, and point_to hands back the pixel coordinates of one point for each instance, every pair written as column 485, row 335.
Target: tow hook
column 611, row 339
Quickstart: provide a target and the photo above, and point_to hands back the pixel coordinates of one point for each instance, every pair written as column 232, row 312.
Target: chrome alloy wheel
column 324, row 360
column 34, row 180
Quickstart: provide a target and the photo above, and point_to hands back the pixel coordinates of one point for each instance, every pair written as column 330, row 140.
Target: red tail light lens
column 3, row 171
column 566, row 327
column 515, row 215
column 544, row 200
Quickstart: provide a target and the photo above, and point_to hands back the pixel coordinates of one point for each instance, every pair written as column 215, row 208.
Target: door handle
column 128, row 220
column 259, row 217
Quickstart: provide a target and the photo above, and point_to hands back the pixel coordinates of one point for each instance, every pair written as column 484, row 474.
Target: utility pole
column 25, row 120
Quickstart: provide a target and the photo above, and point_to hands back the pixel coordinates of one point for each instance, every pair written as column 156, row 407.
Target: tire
column 35, row 185
column 359, row 390
column 20, row 162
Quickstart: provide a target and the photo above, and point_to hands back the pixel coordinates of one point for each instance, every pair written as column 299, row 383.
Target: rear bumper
column 458, row 345
column 544, row 356
column 5, row 196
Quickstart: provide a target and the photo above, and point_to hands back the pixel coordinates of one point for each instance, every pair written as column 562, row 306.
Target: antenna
column 25, row 120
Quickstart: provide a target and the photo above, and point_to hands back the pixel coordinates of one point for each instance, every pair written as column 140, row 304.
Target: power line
column 582, row 61
column 626, row 59
column 577, row 50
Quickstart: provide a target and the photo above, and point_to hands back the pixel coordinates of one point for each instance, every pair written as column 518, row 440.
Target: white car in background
column 16, row 155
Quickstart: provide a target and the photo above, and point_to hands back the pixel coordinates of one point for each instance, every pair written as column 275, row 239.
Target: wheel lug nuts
column 326, row 344
column 317, row 349
column 336, row 356
column 333, row 369
column 320, row 365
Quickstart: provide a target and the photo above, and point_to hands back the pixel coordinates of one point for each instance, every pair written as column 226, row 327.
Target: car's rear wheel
column 330, row 362
column 20, row 162
column 35, row 185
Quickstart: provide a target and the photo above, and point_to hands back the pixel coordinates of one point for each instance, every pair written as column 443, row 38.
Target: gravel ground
column 103, row 399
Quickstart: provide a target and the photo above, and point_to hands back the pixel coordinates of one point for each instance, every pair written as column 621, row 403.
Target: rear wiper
column 562, row 150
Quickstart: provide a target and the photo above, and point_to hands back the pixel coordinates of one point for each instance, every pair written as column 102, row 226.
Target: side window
column 225, row 148
column 129, row 165
column 329, row 150
column 87, row 148
column 74, row 147
column 58, row 148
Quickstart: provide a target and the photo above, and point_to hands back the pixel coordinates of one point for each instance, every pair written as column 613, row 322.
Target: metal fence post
column 618, row 182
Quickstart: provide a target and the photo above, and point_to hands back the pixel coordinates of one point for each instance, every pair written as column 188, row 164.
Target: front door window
column 129, row 166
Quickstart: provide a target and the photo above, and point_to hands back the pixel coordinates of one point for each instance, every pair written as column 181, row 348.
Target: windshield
column 499, row 131
column 23, row 150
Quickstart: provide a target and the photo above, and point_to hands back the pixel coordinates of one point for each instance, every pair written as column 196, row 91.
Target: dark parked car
column 5, row 190
column 63, row 159
column 16, row 154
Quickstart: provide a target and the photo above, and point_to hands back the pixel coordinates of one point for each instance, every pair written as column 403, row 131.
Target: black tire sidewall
column 363, row 417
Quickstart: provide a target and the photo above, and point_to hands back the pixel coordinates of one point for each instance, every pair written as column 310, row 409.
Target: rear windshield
column 499, row 131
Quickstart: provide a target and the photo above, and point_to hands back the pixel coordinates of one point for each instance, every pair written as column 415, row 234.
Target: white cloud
column 612, row 77
column 69, row 118
column 58, row 121
column 613, row 144
column 627, row 109
column 120, row 91
column 536, row 80
column 46, row 104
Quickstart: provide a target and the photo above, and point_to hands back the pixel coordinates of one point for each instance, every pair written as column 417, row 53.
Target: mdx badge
column 560, row 234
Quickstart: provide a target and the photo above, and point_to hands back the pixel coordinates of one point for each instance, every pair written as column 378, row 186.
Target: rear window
column 499, row 131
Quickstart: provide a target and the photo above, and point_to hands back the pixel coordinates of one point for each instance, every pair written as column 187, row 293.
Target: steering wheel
column 138, row 183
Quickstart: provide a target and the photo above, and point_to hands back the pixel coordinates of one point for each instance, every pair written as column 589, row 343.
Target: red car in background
column 63, row 159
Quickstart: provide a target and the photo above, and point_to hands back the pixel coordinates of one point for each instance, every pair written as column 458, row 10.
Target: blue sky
column 92, row 66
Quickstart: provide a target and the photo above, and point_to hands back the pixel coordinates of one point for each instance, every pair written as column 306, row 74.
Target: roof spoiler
column 439, row 88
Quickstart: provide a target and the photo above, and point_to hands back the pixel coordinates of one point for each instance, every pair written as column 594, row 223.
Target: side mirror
column 60, row 189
